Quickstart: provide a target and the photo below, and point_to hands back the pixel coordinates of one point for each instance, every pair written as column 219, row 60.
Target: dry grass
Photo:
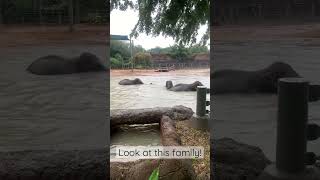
column 193, row 137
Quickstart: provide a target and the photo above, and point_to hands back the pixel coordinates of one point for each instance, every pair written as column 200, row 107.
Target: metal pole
column 201, row 101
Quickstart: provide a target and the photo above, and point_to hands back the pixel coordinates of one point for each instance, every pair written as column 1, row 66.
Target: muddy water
column 51, row 112
column 151, row 94
column 252, row 119
column 147, row 134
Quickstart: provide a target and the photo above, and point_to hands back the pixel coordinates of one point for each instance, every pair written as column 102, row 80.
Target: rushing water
column 51, row 112
column 252, row 119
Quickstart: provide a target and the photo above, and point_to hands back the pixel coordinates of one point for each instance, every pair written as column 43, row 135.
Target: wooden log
column 148, row 115
column 169, row 136
column 50, row 164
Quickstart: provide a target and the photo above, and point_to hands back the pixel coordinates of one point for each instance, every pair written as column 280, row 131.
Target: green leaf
column 155, row 174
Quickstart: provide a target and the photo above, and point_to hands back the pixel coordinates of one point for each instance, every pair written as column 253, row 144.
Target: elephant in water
column 183, row 87
column 53, row 65
column 130, row 82
column 260, row 81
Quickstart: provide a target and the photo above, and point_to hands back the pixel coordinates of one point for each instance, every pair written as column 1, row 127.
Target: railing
column 293, row 133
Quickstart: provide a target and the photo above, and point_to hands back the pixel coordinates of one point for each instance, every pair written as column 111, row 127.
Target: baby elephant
column 183, row 87
column 53, row 65
column 130, row 82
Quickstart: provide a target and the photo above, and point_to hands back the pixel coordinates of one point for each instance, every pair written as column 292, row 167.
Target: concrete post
column 291, row 133
column 292, row 124
column 201, row 101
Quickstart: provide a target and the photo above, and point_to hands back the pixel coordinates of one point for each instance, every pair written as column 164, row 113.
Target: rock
column 47, row 165
column 236, row 161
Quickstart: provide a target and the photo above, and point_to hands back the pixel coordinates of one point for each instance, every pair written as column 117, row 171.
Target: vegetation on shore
column 120, row 53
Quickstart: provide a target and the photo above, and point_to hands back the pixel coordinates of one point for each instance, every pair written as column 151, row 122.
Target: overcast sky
column 122, row 22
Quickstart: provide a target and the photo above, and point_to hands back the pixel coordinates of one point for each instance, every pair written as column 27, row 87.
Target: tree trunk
column 148, row 115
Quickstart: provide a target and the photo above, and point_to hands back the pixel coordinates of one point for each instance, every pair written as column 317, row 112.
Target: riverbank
column 151, row 72
column 267, row 32
column 37, row 35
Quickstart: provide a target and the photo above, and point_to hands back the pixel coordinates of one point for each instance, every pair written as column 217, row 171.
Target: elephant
column 54, row 65
column 260, row 81
column 130, row 82
column 183, row 87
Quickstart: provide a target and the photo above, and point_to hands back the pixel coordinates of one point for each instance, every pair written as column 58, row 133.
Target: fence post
column 201, row 101
column 292, row 123
column 291, row 132
column 201, row 120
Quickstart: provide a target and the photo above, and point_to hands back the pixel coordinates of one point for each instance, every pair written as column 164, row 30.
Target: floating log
column 49, row 164
column 149, row 115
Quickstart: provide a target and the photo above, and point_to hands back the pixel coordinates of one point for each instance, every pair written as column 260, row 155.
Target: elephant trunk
column 169, row 84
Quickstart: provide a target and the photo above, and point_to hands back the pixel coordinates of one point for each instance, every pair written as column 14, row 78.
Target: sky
column 122, row 23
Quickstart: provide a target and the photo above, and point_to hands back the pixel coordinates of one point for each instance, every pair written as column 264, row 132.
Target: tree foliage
column 179, row 49
column 180, row 52
column 115, row 63
column 142, row 58
column 179, row 19
column 121, row 51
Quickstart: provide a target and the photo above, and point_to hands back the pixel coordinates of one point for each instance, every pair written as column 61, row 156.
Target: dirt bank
column 36, row 35
column 266, row 32
column 151, row 72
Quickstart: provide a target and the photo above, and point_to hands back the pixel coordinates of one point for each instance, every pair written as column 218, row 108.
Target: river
column 153, row 92
column 252, row 119
column 51, row 112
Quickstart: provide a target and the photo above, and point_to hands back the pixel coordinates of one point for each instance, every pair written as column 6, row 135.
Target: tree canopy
column 179, row 19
